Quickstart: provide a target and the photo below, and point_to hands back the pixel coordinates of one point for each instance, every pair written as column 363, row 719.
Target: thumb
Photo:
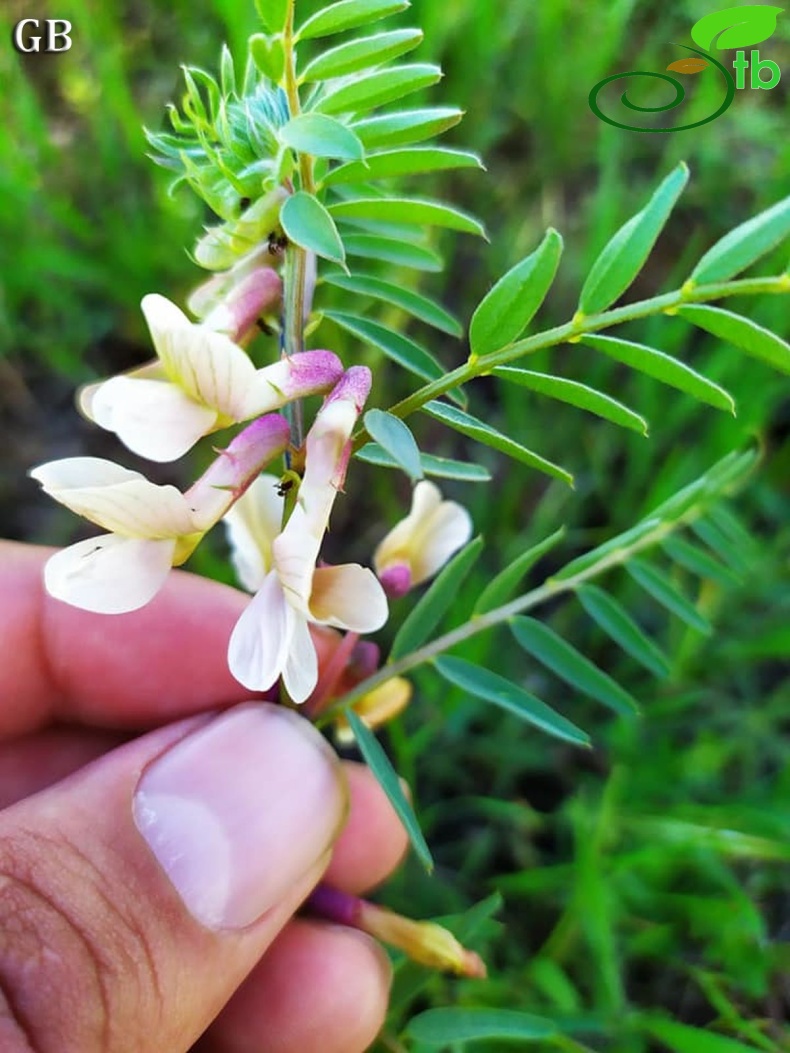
column 136, row 895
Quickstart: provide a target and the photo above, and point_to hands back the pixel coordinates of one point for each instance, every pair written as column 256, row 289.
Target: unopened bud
column 235, row 467
column 423, row 941
column 377, row 707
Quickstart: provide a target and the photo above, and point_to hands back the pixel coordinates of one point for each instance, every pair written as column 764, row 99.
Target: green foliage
column 382, row 768
column 490, row 687
column 624, row 256
column 647, row 877
column 307, row 223
column 394, row 437
column 568, row 664
column 426, row 615
column 437, row 1027
column 745, row 245
column 466, row 424
column 505, row 312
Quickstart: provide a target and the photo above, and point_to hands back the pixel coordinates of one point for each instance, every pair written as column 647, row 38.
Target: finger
column 370, row 846
column 33, row 762
column 136, row 895
column 319, row 987
column 165, row 661
column 373, row 841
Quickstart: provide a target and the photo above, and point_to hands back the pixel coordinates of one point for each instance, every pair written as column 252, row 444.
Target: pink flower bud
column 237, row 314
column 235, row 467
column 396, row 580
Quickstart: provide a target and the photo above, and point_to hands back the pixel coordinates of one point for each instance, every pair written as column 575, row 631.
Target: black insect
column 277, row 243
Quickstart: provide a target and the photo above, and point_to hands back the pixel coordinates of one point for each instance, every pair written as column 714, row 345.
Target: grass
column 642, row 881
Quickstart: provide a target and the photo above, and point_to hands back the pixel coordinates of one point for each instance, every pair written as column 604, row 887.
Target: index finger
column 151, row 666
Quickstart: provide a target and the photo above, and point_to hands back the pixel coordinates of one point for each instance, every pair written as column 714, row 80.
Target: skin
column 97, row 953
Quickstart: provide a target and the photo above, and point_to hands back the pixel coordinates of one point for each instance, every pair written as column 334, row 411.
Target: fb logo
column 56, row 37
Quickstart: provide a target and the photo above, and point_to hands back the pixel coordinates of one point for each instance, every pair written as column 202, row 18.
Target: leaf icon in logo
column 688, row 65
column 737, row 27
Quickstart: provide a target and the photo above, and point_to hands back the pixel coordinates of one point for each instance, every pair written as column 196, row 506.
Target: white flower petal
column 252, row 525
column 432, row 531
column 261, row 638
column 74, row 472
column 208, row 366
column 348, row 597
column 396, row 546
column 300, row 674
column 109, row 574
column 449, row 528
column 294, row 555
column 115, row 498
column 153, row 418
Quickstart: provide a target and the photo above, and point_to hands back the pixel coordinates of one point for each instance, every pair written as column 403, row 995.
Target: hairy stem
column 295, row 306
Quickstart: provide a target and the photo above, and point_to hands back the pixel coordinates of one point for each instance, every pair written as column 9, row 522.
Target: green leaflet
column 394, row 436
column 272, row 14
column 747, row 335
column 305, row 220
column 571, row 666
column 442, row 467
column 665, row 593
column 423, row 618
column 506, row 310
column 347, row 14
column 682, row 1038
column 408, row 210
column 375, row 89
column 268, row 55
column 609, row 548
column 392, row 250
column 698, row 561
column 575, row 394
column 399, row 348
column 438, row 1027
column 482, row 683
column 664, row 368
column 390, row 164
column 321, row 136
column 745, row 245
column 408, row 126
column 616, row 622
column 361, row 54
column 466, row 424
column 420, row 306
column 713, row 534
column 500, row 589
column 624, row 255
column 380, row 765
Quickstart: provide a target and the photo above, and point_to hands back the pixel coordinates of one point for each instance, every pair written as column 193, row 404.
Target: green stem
column 573, row 331
column 295, row 306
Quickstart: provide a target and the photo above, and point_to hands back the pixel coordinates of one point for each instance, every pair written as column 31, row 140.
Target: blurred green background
column 645, row 880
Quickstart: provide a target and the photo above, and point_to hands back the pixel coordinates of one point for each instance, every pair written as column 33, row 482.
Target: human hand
column 148, row 884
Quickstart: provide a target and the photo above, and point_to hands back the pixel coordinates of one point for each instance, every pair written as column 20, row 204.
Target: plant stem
column 295, row 306
column 574, row 331
column 550, row 588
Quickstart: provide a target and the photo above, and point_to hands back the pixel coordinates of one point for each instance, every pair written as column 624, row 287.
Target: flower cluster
column 201, row 381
